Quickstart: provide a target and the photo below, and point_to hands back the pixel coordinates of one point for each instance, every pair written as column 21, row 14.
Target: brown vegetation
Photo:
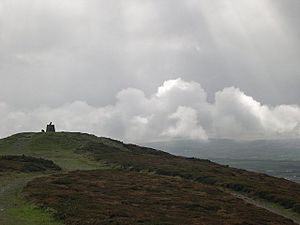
column 132, row 157
column 127, row 197
column 13, row 163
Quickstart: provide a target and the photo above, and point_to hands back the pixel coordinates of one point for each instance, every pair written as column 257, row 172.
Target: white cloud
column 186, row 125
column 240, row 116
column 178, row 109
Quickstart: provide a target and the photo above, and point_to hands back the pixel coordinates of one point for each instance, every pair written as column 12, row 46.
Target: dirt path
column 13, row 209
column 10, row 186
column 269, row 206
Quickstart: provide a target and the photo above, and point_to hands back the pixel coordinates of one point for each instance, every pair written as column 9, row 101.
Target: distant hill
column 281, row 149
column 130, row 184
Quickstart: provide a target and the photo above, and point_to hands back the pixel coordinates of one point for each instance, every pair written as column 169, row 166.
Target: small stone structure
column 50, row 127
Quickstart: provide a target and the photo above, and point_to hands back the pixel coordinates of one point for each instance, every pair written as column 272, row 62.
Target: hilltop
column 59, row 147
column 124, row 181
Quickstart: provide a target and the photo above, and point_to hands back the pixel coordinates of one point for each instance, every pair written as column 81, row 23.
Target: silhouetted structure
column 50, row 127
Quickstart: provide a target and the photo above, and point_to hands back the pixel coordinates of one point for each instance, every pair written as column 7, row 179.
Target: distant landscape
column 279, row 168
column 279, row 158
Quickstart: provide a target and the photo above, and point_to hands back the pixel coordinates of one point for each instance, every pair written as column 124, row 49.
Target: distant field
column 279, row 168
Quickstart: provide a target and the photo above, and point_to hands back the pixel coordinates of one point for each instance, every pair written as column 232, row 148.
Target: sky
column 151, row 70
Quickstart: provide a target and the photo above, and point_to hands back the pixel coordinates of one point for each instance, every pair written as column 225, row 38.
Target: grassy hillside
column 143, row 166
column 58, row 147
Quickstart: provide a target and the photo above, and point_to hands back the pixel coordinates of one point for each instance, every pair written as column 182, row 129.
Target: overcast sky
column 146, row 70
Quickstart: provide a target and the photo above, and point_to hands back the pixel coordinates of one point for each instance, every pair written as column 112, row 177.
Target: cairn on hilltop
column 50, row 127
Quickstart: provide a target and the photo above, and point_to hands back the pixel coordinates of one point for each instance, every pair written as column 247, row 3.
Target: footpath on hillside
column 268, row 206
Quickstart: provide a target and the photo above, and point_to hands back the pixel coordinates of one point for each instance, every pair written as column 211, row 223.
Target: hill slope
column 127, row 198
column 77, row 151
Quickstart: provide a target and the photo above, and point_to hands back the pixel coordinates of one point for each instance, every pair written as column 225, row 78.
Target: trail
column 11, row 186
column 281, row 211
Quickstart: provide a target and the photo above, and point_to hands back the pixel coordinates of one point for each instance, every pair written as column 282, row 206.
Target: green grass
column 58, row 147
column 29, row 214
column 14, row 210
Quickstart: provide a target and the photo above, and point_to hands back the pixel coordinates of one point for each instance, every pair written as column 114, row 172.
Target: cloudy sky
column 148, row 70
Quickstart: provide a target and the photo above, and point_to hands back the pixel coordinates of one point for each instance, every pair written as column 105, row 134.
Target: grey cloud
column 88, row 50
